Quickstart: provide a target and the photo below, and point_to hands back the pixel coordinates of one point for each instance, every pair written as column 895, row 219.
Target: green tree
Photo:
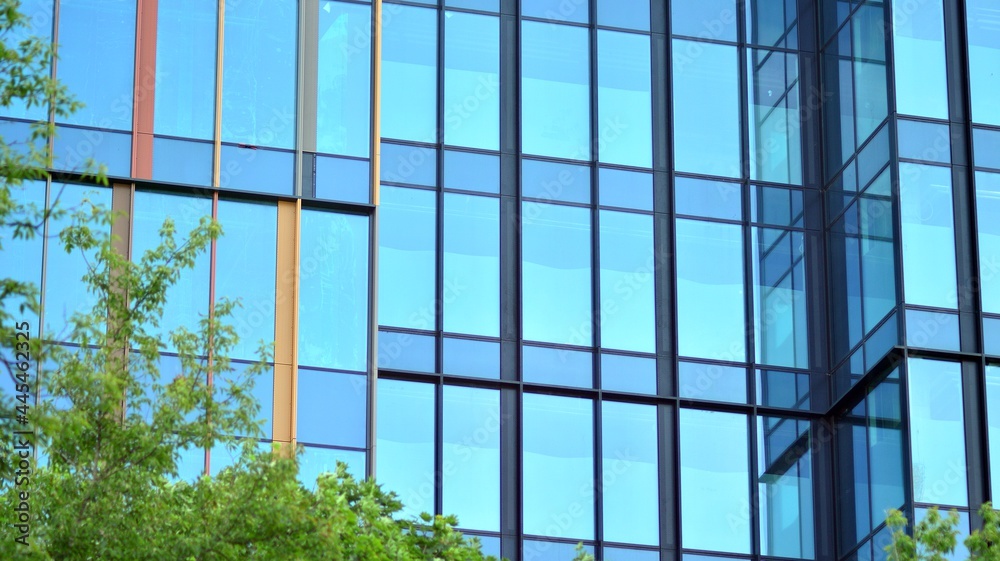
column 935, row 537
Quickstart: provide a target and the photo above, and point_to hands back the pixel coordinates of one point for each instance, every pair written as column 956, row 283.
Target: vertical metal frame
column 144, row 89
column 376, row 159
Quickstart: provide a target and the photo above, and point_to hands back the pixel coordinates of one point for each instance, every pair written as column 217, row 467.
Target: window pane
column 626, row 189
column 38, row 23
column 928, row 235
column 558, row 496
column 409, row 74
column 988, row 212
column 472, row 80
column 333, row 282
column 406, row 351
column 706, row 108
column 630, row 14
column 918, row 58
column 258, row 77
column 920, row 140
column 773, row 106
column 628, row 303
column 993, row 415
column 984, row 58
column 772, row 24
column 471, row 457
column 628, row 373
column 343, row 179
column 624, row 104
column 885, row 447
column 986, row 143
column 21, row 259
column 332, row 408
column 555, row 90
column 182, row 161
column 937, row 432
column 185, row 68
column 631, row 468
column 780, row 303
column 471, row 265
column 710, row 199
column 406, row 265
column 785, row 484
column 715, row 481
column 245, row 270
column 255, row 169
column 405, row 445
column 555, row 181
column 471, row 172
column 711, row 313
column 556, row 274
column 416, row 165
column 707, row 19
column 315, row 461
column 98, row 68
column 467, row 357
column 343, row 80
column 557, row 10
column 713, row 382
column 560, row 367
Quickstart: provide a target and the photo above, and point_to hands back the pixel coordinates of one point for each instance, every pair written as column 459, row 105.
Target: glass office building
column 684, row 280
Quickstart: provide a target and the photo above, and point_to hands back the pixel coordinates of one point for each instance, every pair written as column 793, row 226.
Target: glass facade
column 677, row 279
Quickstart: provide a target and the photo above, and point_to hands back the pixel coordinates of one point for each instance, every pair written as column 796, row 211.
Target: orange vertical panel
column 144, row 90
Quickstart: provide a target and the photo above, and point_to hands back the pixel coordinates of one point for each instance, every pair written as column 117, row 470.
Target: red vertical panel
column 145, row 90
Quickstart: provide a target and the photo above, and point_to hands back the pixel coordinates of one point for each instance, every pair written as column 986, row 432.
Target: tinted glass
column 466, row 357
column 988, row 209
column 416, row 165
column 624, row 105
column 315, row 461
column 918, row 58
column 73, row 147
column 405, row 444
column 21, row 259
column 993, row 416
column 781, row 306
column 406, row 266
column 933, row 330
column 182, row 161
column 631, row 468
column 343, row 179
column 185, row 69
column 38, row 23
column 471, row 457
column 937, row 432
column 711, row 19
column 919, row 140
column 984, row 57
column 472, row 80
column 630, row 14
column 250, row 169
column 557, row 10
column 409, row 74
column 552, row 181
column 785, row 487
column 406, row 351
column 628, row 373
column 471, row 265
column 471, row 172
column 343, row 79
column 773, row 106
column 626, row 189
column 627, row 289
column 772, row 24
column 928, row 235
column 885, row 447
column 706, row 108
column 710, row 199
column 560, row 367
column 986, row 143
column 332, row 408
column 713, row 382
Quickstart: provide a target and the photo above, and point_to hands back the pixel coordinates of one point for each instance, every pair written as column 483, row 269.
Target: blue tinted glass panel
column 711, row 199
column 988, row 210
column 190, row 464
column 74, row 147
column 333, row 282
column 472, row 80
column 315, row 461
column 960, row 552
column 776, row 206
column 555, row 90
column 918, row 140
column 465, row 357
column 624, row 107
column 556, row 274
column 772, row 24
column 628, row 373
column 885, row 447
column 558, row 467
column 341, row 179
column 553, row 181
column 881, row 341
column 486, row 6
column 560, row 367
column 245, row 270
column 918, row 59
column 625, row 189
column 706, row 108
column 713, row 382
column 773, row 106
column 252, row 169
column 63, row 299
column 405, row 444
column 98, row 68
column 181, row 161
column 710, row 19
column 628, row 14
column 628, row 299
column 262, row 392
column 790, row 390
column 785, row 487
column 711, row 319
column 991, row 334
column 21, row 259
column 631, row 468
column 932, row 330
column 185, row 69
column 332, row 408
column 987, row 148
column 557, row 10
column 405, row 351
column 187, row 300
column 471, row 457
column 870, row 97
column 715, row 480
column 471, row 265
column 471, row 172
column 343, row 79
column 551, row 550
column 490, row 544
column 928, row 235
column 409, row 74
column 258, row 76
column 38, row 23
column 937, row 432
column 409, row 164
column 993, row 416
column 622, row 554
column 406, row 261
column 780, row 303
column 984, row 58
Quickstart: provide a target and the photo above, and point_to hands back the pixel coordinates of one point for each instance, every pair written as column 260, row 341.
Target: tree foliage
column 935, row 538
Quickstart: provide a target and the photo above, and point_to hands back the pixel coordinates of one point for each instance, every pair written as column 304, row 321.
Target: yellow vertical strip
column 217, row 158
column 376, row 98
column 286, row 334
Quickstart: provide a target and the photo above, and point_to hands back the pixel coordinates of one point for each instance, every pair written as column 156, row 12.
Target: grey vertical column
column 308, row 70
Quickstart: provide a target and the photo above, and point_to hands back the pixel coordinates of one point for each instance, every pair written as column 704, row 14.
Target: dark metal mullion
column 439, row 274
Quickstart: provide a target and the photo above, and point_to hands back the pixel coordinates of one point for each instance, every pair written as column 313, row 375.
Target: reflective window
column 993, row 416
column 988, row 210
column 558, row 467
column 785, row 487
column 73, row 147
column 343, row 179
column 467, row 357
column 21, row 258
column 182, row 161
column 255, row 169
column 471, row 457
column 631, row 469
column 790, row 390
column 706, row 108
column 776, row 206
column 343, row 79
column 918, row 58
column 710, row 19
column 629, row 14
column 929, row 275
column 711, row 317
column 560, row 367
column 628, row 304
column 554, row 181
column 871, row 98
column 38, row 23
column 709, row 199
column 416, row 165
column 98, row 68
column 406, row 351
column 187, row 300
column 885, row 447
column 409, row 74
column 624, row 107
column 854, row 517
column 712, row 382
column 471, row 172
column 332, row 408
column 185, row 69
column 773, row 106
column 258, row 78
column 575, row 11
column 556, row 274
column 333, row 283
column 472, row 80
column 986, row 144
column 984, row 58
column 245, row 270
column 919, row 140
column 315, row 461
column 932, row 330
column 772, row 24
column 471, row 265
column 937, row 432
column 555, row 90
column 780, row 302
column 628, row 373
column 262, row 391
column 406, row 266
column 625, row 189
column 715, row 480
column 405, row 446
